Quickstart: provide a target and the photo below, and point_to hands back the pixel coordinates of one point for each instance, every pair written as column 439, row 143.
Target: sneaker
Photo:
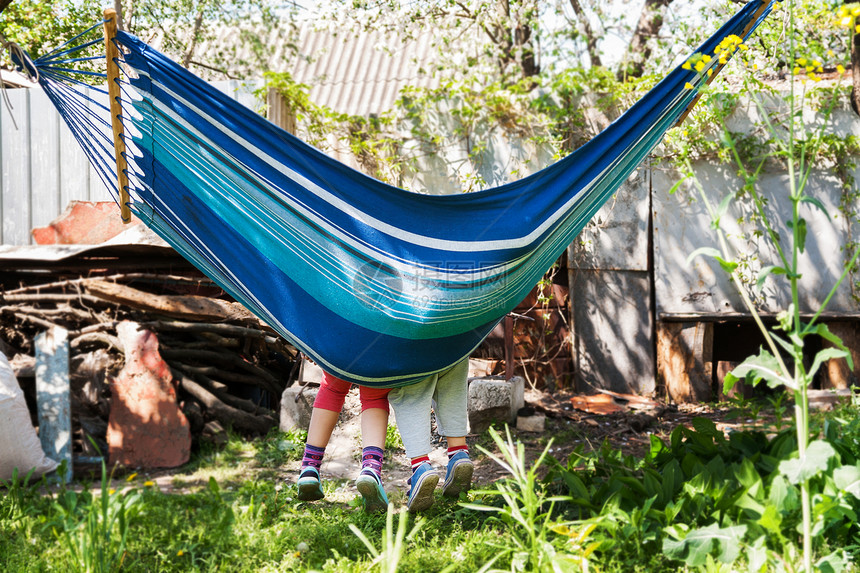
column 370, row 488
column 310, row 488
column 459, row 475
column 423, row 482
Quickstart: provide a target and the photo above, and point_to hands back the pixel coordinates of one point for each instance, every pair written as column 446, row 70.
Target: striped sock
column 455, row 449
column 418, row 461
column 371, row 460
column 313, row 457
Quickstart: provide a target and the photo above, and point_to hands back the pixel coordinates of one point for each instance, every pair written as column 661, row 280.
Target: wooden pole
column 112, row 53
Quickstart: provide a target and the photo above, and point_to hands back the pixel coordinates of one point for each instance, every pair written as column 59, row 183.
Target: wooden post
column 279, row 112
column 53, row 396
column 112, row 53
column 509, row 347
column 685, row 360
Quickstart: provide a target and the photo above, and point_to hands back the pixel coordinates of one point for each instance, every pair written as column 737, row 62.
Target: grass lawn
column 233, row 508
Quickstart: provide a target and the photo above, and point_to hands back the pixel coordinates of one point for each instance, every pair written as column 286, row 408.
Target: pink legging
column 333, row 392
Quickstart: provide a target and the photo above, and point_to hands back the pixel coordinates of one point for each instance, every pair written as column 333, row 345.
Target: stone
column 146, row 428
column 534, row 423
column 297, row 403
column 494, row 399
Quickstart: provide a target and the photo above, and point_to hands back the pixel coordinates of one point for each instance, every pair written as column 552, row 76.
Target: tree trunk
column 650, row 22
column 590, row 37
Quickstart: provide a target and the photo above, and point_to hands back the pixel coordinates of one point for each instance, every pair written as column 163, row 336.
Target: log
column 222, row 391
column 260, row 377
column 220, row 411
column 179, row 306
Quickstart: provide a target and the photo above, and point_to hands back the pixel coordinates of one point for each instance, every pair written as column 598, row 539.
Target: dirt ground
column 628, row 430
column 569, row 428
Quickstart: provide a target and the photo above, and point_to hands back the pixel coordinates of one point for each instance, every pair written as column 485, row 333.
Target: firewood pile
column 229, row 369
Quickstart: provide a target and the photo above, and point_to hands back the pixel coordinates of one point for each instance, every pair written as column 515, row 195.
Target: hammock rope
column 378, row 285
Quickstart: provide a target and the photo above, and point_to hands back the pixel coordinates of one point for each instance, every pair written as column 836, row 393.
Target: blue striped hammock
column 379, row 285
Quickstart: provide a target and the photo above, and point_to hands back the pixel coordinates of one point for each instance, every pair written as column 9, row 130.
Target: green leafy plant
column 526, row 509
column 94, row 529
column 781, row 364
column 387, row 558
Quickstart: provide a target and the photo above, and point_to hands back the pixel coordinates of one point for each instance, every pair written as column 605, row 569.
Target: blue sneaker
column 310, row 488
column 370, row 488
column 423, row 482
column 458, row 478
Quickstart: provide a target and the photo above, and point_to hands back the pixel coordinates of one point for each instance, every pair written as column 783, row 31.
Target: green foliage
column 41, row 26
column 278, row 448
column 387, row 558
column 526, row 511
column 705, row 496
column 94, row 529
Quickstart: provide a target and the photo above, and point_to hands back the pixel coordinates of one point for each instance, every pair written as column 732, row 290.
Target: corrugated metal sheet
column 357, row 74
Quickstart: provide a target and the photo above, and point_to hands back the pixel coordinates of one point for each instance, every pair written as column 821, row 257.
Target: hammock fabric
column 378, row 285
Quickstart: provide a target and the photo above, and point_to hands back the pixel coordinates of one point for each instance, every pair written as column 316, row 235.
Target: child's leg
column 327, row 407
column 451, row 399
column 412, row 411
column 374, row 424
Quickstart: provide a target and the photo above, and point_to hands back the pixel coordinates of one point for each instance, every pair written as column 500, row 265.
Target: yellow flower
column 180, row 553
column 131, row 477
column 840, row 69
column 819, row 69
column 148, row 483
column 111, row 491
column 755, row 66
column 809, row 68
column 706, row 58
column 710, row 72
column 846, row 21
column 688, row 86
column 686, row 65
column 855, row 11
column 830, row 53
column 796, row 71
column 743, row 47
column 801, row 61
column 700, row 66
column 857, row 29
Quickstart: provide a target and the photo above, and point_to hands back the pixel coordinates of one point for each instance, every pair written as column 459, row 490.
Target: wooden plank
column 53, row 396
column 685, row 360
column 15, row 198
column 835, row 373
column 44, row 160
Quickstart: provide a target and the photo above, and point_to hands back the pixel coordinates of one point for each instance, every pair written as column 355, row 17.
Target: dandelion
column 148, row 483
column 111, row 491
column 801, row 61
column 180, row 553
column 131, row 477
column 840, row 69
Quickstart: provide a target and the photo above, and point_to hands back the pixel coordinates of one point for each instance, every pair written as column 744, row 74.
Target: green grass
column 233, row 511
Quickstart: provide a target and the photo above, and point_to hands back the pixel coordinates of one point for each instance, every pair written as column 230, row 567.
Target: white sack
column 19, row 445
